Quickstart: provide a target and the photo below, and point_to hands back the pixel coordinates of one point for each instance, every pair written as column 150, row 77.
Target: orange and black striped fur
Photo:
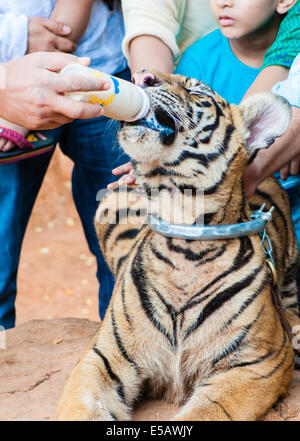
column 191, row 321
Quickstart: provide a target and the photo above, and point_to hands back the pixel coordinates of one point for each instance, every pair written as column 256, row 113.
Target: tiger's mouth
column 159, row 121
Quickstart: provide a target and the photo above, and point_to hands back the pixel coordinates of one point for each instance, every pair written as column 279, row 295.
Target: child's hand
column 48, row 35
column 292, row 168
column 128, row 178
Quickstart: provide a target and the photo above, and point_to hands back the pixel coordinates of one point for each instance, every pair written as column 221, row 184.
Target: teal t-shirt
column 287, row 44
column 212, row 61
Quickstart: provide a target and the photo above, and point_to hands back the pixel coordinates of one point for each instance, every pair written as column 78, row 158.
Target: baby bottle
column 123, row 100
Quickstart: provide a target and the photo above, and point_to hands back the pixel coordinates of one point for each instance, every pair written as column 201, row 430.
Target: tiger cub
column 191, row 320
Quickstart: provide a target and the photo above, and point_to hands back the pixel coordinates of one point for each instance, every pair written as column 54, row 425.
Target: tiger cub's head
column 193, row 138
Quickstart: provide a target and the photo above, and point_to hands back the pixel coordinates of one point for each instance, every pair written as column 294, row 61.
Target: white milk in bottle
column 123, row 100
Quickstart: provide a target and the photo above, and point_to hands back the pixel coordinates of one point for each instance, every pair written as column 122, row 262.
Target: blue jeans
column 92, row 146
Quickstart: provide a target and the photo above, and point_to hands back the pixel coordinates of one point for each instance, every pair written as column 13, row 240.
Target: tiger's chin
column 146, row 140
column 141, row 144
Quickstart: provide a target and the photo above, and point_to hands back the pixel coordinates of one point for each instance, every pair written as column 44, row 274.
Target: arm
column 177, row 23
column 66, row 25
column 283, row 154
column 150, row 42
column 275, row 69
column 155, row 25
column 144, row 51
column 147, row 51
column 267, row 162
column 266, row 79
column 20, row 35
column 32, row 83
column 75, row 14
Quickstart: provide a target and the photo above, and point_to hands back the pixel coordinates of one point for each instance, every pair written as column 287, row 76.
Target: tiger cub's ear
column 266, row 116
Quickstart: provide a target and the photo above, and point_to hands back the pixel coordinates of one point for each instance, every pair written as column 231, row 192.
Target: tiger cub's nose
column 145, row 79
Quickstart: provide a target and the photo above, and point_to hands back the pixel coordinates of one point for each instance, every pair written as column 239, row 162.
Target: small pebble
column 89, row 261
column 69, row 292
column 57, row 341
column 68, row 184
column 69, row 221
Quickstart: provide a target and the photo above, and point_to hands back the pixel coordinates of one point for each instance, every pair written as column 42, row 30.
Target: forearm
column 285, row 148
column 73, row 13
column 280, row 153
column 148, row 52
column 266, row 79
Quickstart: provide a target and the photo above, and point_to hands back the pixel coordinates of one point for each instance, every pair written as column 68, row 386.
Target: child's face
column 238, row 18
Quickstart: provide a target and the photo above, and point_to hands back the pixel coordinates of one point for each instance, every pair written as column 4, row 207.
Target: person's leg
column 93, row 147
column 19, row 186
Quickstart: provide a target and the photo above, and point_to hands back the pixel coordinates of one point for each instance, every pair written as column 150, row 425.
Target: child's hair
column 110, row 3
